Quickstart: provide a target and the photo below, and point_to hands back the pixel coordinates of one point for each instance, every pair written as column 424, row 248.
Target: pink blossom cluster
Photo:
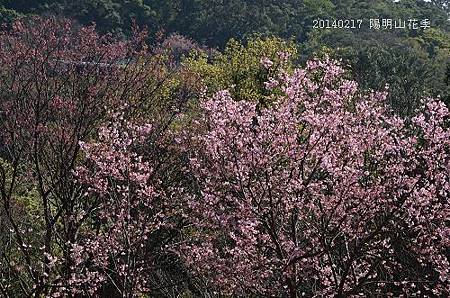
column 324, row 193
column 130, row 205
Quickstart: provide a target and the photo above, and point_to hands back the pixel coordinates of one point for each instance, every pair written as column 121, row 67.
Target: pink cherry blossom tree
column 324, row 193
column 136, row 210
column 57, row 83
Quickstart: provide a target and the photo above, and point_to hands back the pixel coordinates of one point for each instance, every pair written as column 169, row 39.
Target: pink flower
column 266, row 62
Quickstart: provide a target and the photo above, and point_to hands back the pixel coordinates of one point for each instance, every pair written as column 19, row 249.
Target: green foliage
column 413, row 63
column 239, row 69
column 109, row 15
column 112, row 15
column 24, row 209
column 8, row 15
column 214, row 22
column 320, row 6
column 409, row 78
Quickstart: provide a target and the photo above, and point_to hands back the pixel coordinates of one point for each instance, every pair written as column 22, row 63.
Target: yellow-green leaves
column 239, row 69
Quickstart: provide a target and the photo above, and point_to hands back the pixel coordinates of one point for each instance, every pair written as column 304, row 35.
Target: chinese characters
column 390, row 24
column 374, row 24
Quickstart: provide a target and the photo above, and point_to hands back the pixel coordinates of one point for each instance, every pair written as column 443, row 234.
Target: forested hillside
column 214, row 22
column 375, row 55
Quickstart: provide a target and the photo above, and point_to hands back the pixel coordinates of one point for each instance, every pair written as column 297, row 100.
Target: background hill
column 415, row 63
